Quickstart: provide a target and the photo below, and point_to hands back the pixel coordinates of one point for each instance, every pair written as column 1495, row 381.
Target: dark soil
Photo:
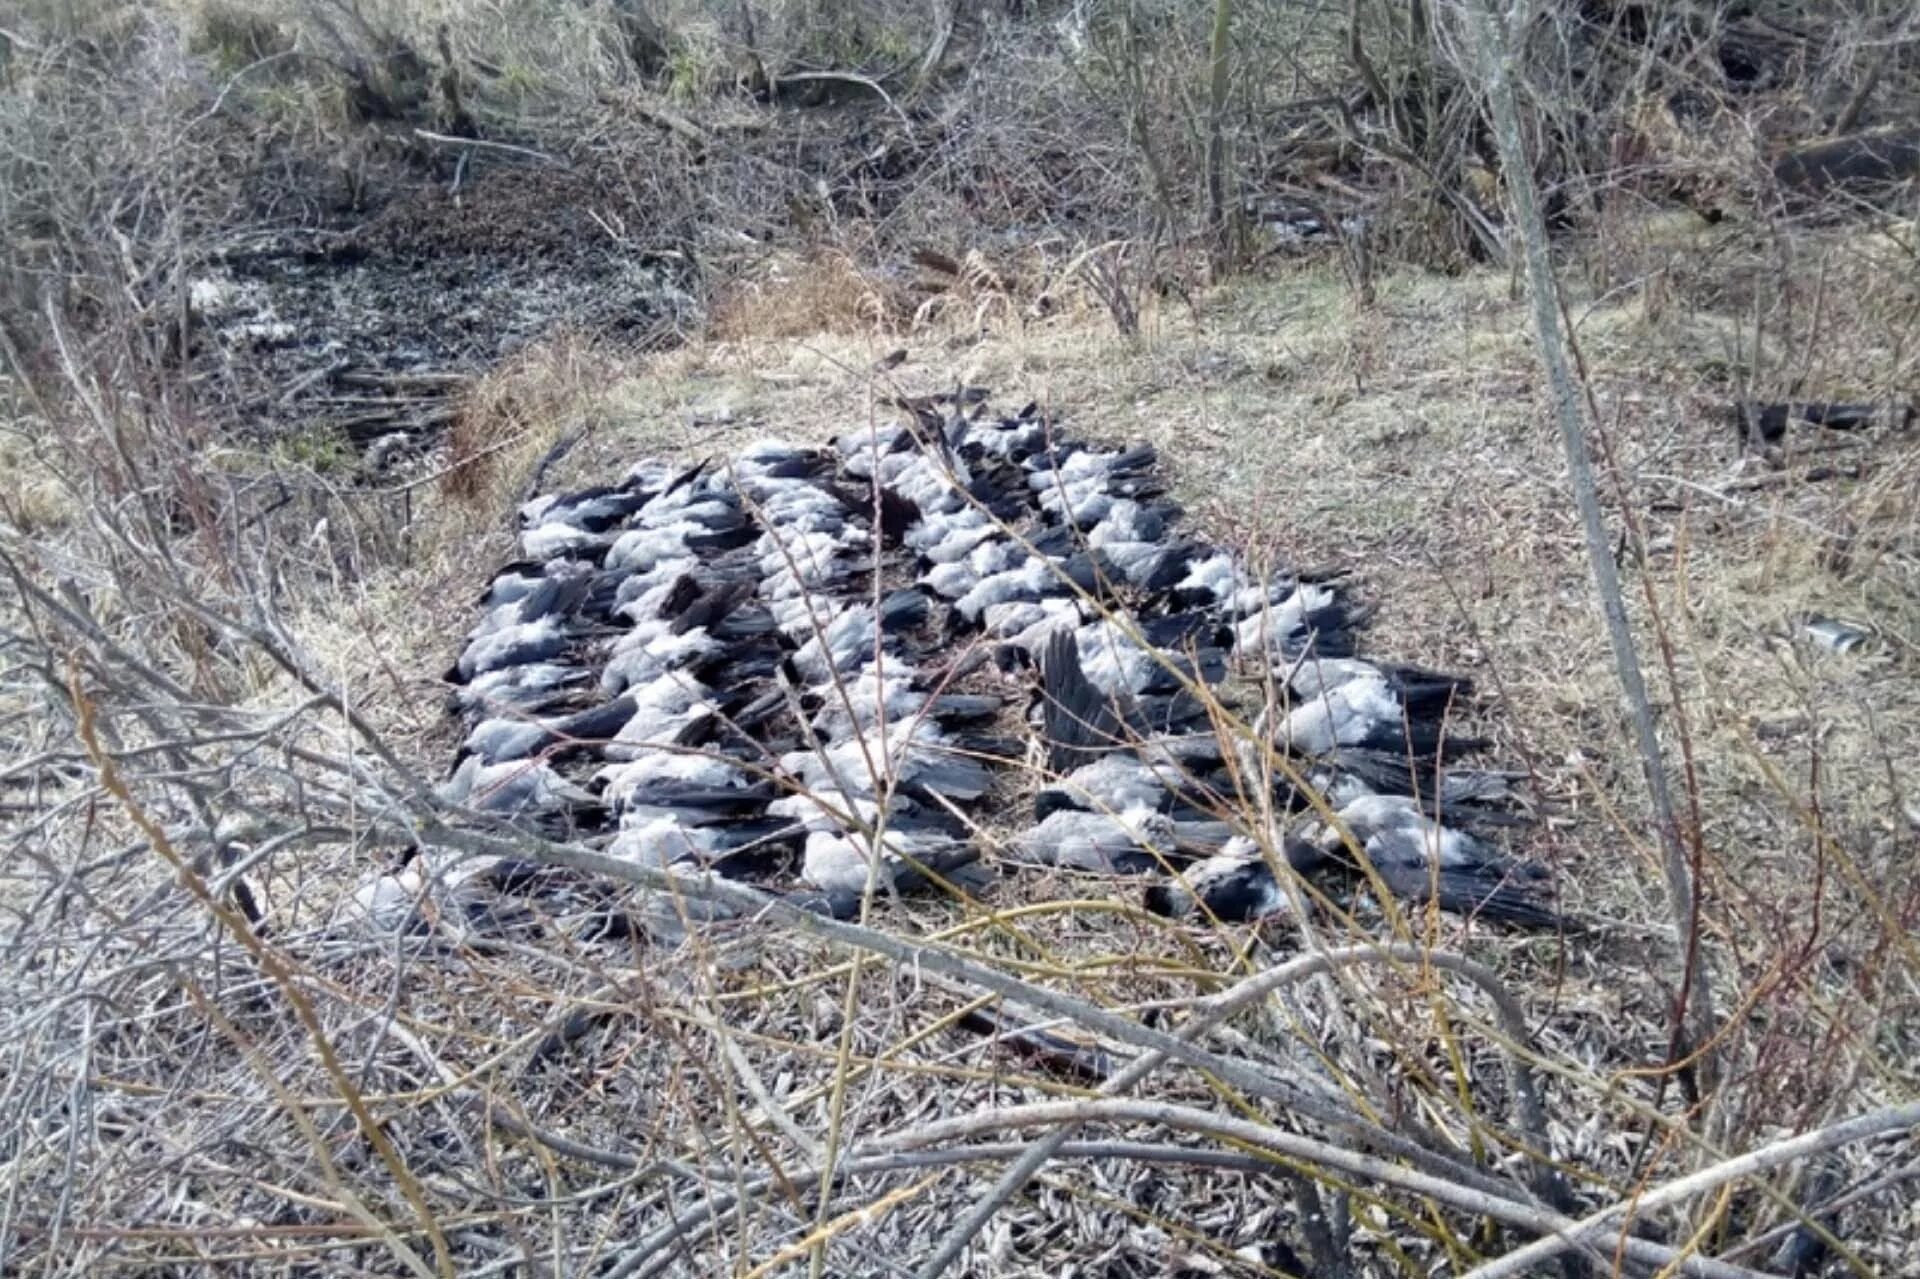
column 344, row 318
column 364, row 323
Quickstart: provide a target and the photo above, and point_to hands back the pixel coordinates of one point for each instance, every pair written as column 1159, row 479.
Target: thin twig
column 482, row 144
column 1209, row 1013
column 1780, row 1153
column 1291, row 1146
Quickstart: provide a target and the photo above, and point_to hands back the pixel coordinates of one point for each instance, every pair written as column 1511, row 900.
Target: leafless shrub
column 1115, row 283
column 429, row 1077
column 205, row 1050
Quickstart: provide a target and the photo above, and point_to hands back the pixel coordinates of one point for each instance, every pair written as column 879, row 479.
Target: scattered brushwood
column 387, row 414
column 385, row 77
column 461, row 986
column 280, row 996
column 1870, row 167
column 478, row 185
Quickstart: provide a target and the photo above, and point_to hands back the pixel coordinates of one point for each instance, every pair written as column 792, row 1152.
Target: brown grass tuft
column 235, row 35
column 822, row 291
column 550, row 389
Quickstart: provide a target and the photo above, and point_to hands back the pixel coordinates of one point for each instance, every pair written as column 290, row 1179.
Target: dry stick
column 1694, row 1000
column 1850, row 117
column 1845, row 1133
column 276, row 968
column 1293, row 1147
column 275, row 646
column 1270, row 1078
column 351, row 1203
column 870, row 1165
column 482, row 144
column 1812, row 1213
column 1216, row 1009
column 817, row 1240
column 952, row 967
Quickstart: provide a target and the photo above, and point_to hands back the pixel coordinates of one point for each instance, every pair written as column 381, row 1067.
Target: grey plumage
column 914, row 753
column 850, row 639
column 1129, row 842
column 514, row 645
column 513, row 788
column 1357, row 713
column 529, row 687
column 827, row 807
column 1419, row 860
column 1031, row 581
column 650, row 653
column 751, row 709
column 840, row 864
column 1112, row 783
column 1310, row 615
column 504, row 738
column 592, row 510
column 878, row 694
column 1234, row 885
column 630, row 782
column 661, row 841
column 545, row 540
column 1470, row 795
column 501, row 738
column 387, row 903
column 1372, row 816
column 462, row 901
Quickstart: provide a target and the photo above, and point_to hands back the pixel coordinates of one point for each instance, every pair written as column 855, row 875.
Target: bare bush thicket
column 217, row 717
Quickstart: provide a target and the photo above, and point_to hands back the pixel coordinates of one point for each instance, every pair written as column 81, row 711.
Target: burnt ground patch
column 364, row 325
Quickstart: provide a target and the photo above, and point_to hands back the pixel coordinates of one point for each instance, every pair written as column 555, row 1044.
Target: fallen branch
column 649, row 1257
column 482, row 144
column 281, row 974
column 1780, row 1153
column 1824, row 1209
column 1209, row 1013
column 672, row 122
column 951, row 967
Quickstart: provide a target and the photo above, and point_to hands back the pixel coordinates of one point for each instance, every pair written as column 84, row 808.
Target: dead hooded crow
column 1421, row 861
column 1234, row 885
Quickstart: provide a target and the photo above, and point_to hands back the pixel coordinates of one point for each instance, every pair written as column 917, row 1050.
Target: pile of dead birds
column 932, row 655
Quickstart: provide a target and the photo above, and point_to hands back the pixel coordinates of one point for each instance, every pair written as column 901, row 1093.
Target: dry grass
column 1405, row 440
column 174, row 703
column 1409, row 441
column 824, row 292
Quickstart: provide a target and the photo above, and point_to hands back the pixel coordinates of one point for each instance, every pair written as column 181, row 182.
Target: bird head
column 1168, row 900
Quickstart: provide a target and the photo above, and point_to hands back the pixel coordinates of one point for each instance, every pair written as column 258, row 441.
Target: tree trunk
column 1694, row 1006
column 1219, row 213
column 945, row 14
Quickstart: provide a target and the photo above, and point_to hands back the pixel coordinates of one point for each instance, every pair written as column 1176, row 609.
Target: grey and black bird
column 1237, row 884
